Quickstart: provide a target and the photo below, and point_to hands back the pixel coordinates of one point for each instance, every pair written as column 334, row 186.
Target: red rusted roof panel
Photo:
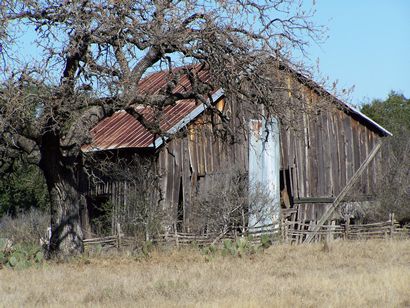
column 121, row 130
column 157, row 82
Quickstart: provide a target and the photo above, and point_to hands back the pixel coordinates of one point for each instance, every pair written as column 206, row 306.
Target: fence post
column 118, row 236
column 330, row 231
column 392, row 227
column 310, row 229
column 347, row 228
column 176, row 235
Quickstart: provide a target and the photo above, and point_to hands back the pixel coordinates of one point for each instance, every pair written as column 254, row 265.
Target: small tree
column 227, row 203
column 93, row 55
column 393, row 191
column 139, row 212
column 22, row 188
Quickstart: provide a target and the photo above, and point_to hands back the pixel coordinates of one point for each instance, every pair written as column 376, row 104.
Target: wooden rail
column 289, row 231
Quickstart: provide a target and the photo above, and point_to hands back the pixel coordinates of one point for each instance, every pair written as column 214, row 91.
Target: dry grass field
column 351, row 274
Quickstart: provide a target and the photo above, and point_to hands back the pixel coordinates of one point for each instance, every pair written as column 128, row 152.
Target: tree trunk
column 65, row 199
column 66, row 233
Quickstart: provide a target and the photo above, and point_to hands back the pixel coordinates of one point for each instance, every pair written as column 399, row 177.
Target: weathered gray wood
column 344, row 191
column 313, row 200
column 342, row 151
column 119, row 236
column 319, row 155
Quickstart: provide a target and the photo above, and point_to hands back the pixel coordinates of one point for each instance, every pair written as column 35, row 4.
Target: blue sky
column 368, row 46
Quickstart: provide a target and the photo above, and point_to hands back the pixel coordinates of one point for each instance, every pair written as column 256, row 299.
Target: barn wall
column 124, row 193
column 319, row 159
column 323, row 155
column 316, row 162
column 191, row 164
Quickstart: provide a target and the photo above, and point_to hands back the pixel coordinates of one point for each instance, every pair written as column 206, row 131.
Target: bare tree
column 94, row 54
column 227, row 202
column 140, row 212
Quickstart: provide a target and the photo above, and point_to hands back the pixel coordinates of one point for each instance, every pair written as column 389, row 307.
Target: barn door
column 264, row 172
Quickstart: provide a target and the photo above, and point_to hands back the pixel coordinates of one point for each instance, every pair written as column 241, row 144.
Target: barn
column 187, row 169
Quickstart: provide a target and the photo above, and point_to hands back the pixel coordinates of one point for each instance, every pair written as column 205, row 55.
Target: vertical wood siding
column 320, row 159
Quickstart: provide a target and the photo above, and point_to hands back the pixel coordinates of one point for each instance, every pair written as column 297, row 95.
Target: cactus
column 266, row 241
column 20, row 256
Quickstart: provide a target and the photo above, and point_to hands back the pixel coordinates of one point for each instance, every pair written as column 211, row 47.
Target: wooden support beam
column 343, row 193
column 303, row 200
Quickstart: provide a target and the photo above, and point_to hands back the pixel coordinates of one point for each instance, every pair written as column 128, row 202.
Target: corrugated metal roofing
column 122, row 130
column 156, row 82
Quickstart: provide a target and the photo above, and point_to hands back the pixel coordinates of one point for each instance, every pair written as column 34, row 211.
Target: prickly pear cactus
column 19, row 256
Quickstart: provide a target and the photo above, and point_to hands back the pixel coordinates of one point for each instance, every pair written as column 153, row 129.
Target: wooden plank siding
column 327, row 155
column 320, row 158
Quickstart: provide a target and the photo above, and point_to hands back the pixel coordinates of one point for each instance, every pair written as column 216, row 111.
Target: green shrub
column 266, row 241
column 102, row 224
column 238, row 248
column 210, row 250
column 147, row 248
column 21, row 255
column 22, row 189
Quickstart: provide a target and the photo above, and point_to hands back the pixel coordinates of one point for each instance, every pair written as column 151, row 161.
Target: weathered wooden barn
column 305, row 169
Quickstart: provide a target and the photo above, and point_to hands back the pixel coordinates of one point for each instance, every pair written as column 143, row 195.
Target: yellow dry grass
column 351, row 274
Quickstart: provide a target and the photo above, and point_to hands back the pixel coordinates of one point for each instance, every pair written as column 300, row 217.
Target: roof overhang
column 365, row 118
column 122, row 131
column 187, row 119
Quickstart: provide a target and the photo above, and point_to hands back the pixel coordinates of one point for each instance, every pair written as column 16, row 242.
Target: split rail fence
column 294, row 232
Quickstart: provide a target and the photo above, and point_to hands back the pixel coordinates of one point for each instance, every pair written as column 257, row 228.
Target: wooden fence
column 298, row 232
column 288, row 231
column 253, row 234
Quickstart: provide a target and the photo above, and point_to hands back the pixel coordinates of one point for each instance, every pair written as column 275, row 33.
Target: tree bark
column 65, row 198
column 66, row 233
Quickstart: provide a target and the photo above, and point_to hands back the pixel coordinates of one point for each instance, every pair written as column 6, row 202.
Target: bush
column 22, row 189
column 228, row 202
column 26, row 228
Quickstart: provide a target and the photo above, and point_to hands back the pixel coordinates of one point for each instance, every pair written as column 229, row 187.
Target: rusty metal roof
column 122, row 130
column 157, row 82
